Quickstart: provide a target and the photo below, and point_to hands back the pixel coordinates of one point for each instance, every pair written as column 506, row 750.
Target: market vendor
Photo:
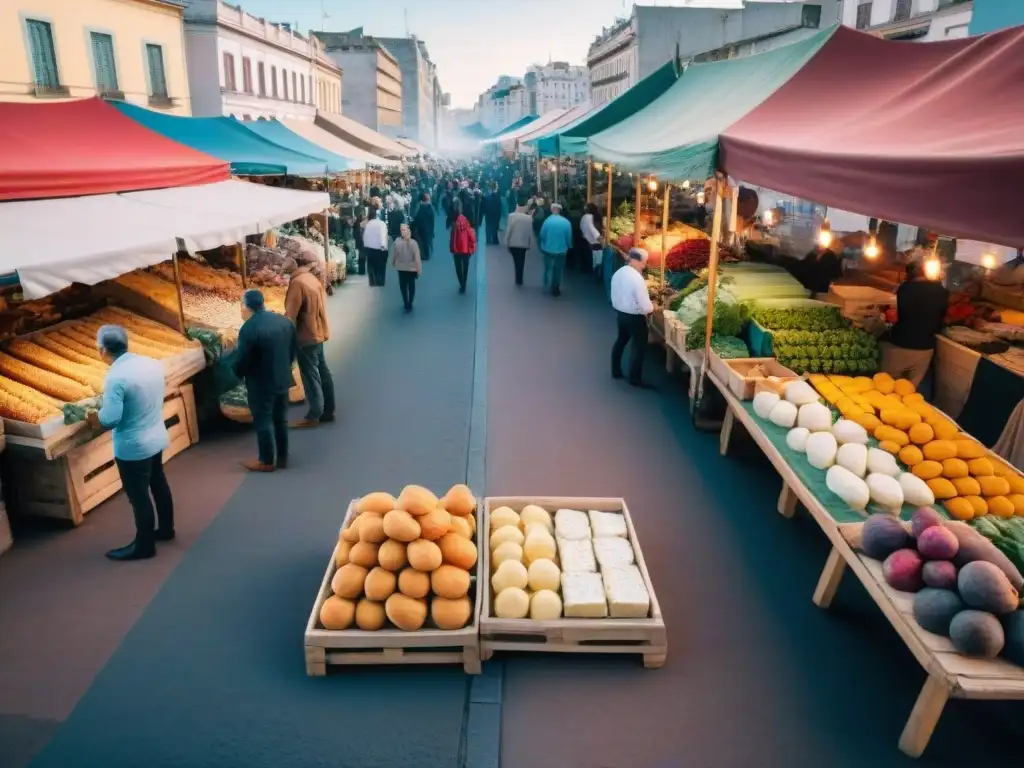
column 908, row 347
column 820, row 268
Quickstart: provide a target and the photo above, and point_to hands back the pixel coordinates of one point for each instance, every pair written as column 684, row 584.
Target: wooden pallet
column 644, row 637
column 326, row 648
column 70, row 485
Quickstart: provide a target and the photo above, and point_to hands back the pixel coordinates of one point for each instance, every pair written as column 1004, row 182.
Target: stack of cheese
column 599, row 574
column 523, row 555
column 396, row 554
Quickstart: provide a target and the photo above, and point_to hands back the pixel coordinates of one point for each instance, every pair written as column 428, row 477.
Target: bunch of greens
column 729, row 347
column 1006, row 533
column 800, row 318
column 836, row 351
column 622, row 222
column 728, row 321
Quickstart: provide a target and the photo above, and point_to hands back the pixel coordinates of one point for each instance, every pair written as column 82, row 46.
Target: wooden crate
column 955, row 366
column 858, row 302
column 69, row 485
column 643, row 637
column 335, row 648
column 733, row 373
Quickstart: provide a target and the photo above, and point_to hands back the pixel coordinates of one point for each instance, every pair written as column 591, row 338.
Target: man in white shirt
column 632, row 305
column 375, row 243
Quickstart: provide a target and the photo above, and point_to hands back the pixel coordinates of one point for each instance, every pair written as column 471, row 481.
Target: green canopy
column 675, row 137
column 573, row 138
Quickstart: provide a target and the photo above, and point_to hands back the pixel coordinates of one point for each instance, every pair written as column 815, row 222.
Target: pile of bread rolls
column 399, row 558
column 524, row 564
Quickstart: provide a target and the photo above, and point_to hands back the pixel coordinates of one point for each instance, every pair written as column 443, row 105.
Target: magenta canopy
column 927, row 134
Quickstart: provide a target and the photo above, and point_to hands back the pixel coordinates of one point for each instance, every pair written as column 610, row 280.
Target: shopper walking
column 267, row 347
column 539, row 215
column 462, row 244
column 375, row 243
column 492, row 213
column 423, row 226
column 555, row 242
column 407, row 261
column 519, row 238
column 133, row 404
column 305, row 305
column 632, row 305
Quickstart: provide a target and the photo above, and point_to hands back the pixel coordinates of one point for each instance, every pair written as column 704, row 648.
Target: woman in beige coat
column 406, row 260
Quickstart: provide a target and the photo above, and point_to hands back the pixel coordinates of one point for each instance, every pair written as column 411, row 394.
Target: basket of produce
column 567, row 575
column 743, row 375
column 402, row 586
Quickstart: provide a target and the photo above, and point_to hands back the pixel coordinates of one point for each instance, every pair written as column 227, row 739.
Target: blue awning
column 272, row 130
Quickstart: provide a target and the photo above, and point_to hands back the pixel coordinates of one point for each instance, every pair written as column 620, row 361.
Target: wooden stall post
column 636, row 213
column 716, row 232
column 540, row 183
column 177, row 285
column 734, row 207
column 243, row 267
column 608, row 205
column 590, row 179
column 664, row 232
column 558, row 167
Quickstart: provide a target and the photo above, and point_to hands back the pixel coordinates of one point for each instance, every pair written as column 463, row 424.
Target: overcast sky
column 472, row 42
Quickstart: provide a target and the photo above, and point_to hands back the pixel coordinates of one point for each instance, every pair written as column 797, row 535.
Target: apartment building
column 922, row 20
column 373, row 79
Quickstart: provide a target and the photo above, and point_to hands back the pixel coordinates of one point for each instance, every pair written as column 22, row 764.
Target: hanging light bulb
column 598, row 167
column 825, row 235
column 871, row 249
column 686, row 184
column 652, row 185
column 769, row 218
column 700, row 198
column 932, row 268
column 988, row 261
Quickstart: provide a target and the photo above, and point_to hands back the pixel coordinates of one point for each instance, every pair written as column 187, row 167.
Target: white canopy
column 568, row 117
column 314, row 133
column 54, row 243
column 359, row 132
column 529, row 128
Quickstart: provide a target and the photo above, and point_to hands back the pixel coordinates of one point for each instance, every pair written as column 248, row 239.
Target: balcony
column 162, row 101
column 111, row 95
column 51, row 91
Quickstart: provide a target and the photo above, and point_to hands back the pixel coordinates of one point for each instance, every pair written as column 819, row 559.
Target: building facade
column 922, row 20
column 251, row 68
column 556, row 85
column 418, row 97
column 634, row 47
column 123, row 49
column 373, row 79
column 329, row 82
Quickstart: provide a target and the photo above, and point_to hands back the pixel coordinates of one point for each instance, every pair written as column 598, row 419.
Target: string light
column 652, row 185
column 700, row 198
column 686, row 184
column 871, row 249
column 988, row 261
column 932, row 268
column 769, row 218
column 825, row 235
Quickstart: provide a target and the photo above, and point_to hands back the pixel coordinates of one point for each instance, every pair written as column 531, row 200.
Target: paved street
column 195, row 658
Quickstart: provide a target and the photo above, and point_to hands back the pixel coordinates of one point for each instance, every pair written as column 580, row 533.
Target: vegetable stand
column 950, row 675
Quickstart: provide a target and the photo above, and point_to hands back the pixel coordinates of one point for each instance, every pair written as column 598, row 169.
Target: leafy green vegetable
column 1006, row 534
column 729, row 347
column 728, row 321
column 800, row 318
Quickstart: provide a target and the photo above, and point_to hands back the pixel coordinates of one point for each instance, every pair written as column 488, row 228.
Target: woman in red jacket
column 462, row 243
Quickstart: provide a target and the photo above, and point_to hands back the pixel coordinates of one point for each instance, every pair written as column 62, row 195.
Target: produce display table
column 950, row 675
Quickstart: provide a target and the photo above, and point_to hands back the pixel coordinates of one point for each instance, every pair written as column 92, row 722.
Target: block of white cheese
column 572, row 524
column 607, row 523
column 577, row 556
column 583, row 596
column 613, row 552
column 626, row 592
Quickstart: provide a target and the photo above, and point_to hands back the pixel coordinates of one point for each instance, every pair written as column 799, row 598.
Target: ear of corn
column 16, row 409
column 29, row 395
column 136, row 343
column 144, row 326
column 52, row 384
column 87, row 351
column 50, row 361
column 51, row 343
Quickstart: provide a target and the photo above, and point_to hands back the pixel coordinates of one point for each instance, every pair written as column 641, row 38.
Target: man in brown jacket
column 306, row 306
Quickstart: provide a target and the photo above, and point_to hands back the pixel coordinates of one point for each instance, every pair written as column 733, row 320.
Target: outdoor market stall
column 359, row 135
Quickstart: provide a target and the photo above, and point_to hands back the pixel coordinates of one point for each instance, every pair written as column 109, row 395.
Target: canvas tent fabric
column 540, row 122
column 520, row 123
column 569, row 117
column 930, row 134
column 675, row 137
column 86, row 147
column 273, row 130
column 475, row 131
column 419, row 149
column 358, row 134
column 224, row 137
column 574, row 138
column 327, row 140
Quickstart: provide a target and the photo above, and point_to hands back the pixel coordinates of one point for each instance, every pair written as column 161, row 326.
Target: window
column 246, row 74
column 902, row 12
column 864, row 15
column 229, row 72
column 261, row 77
column 273, row 82
column 295, row 89
column 810, row 16
column 302, row 83
column 284, row 83
column 44, row 57
column 103, row 62
column 310, row 78
column 157, row 78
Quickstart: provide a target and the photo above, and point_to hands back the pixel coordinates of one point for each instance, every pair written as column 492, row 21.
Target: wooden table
column 950, row 675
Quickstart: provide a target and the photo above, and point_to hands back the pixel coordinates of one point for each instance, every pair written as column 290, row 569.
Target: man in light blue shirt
column 133, row 402
column 555, row 242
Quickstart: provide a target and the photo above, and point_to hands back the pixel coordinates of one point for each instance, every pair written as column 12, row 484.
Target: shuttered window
column 302, row 83
column 273, row 82
column 246, row 74
column 295, row 87
column 261, row 78
column 229, row 72
column 44, row 59
column 284, row 82
column 157, row 78
column 103, row 61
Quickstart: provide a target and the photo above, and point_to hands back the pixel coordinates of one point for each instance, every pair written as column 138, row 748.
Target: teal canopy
column 272, row 130
column 993, row 15
column 515, row 126
column 226, row 138
column 675, row 137
column 573, row 138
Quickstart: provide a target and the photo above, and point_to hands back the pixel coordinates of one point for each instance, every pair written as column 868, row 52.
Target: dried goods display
column 152, row 287
column 221, row 282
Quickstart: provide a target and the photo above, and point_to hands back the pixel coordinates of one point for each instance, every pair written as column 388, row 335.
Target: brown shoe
column 304, row 423
column 254, row 465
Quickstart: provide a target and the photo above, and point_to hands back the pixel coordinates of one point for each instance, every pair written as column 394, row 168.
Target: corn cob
column 53, row 344
column 51, row 361
column 62, row 388
column 85, row 350
column 148, row 328
column 138, row 344
column 82, row 336
column 18, row 410
column 33, row 397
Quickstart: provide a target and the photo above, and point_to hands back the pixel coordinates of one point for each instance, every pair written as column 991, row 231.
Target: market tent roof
column 475, row 131
column 520, row 123
column 100, row 237
column 930, row 134
column 277, row 132
column 327, row 140
column 358, row 134
column 85, row 147
column 569, row 117
column 675, row 137
column 224, row 137
column 574, row 137
column 419, row 149
column 540, row 122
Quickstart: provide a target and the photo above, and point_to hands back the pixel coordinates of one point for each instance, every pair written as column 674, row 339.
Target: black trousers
column 140, row 478
column 377, row 264
column 361, row 268
column 407, row 285
column 632, row 328
column 519, row 261
column 269, row 417
column 424, row 244
column 461, row 269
